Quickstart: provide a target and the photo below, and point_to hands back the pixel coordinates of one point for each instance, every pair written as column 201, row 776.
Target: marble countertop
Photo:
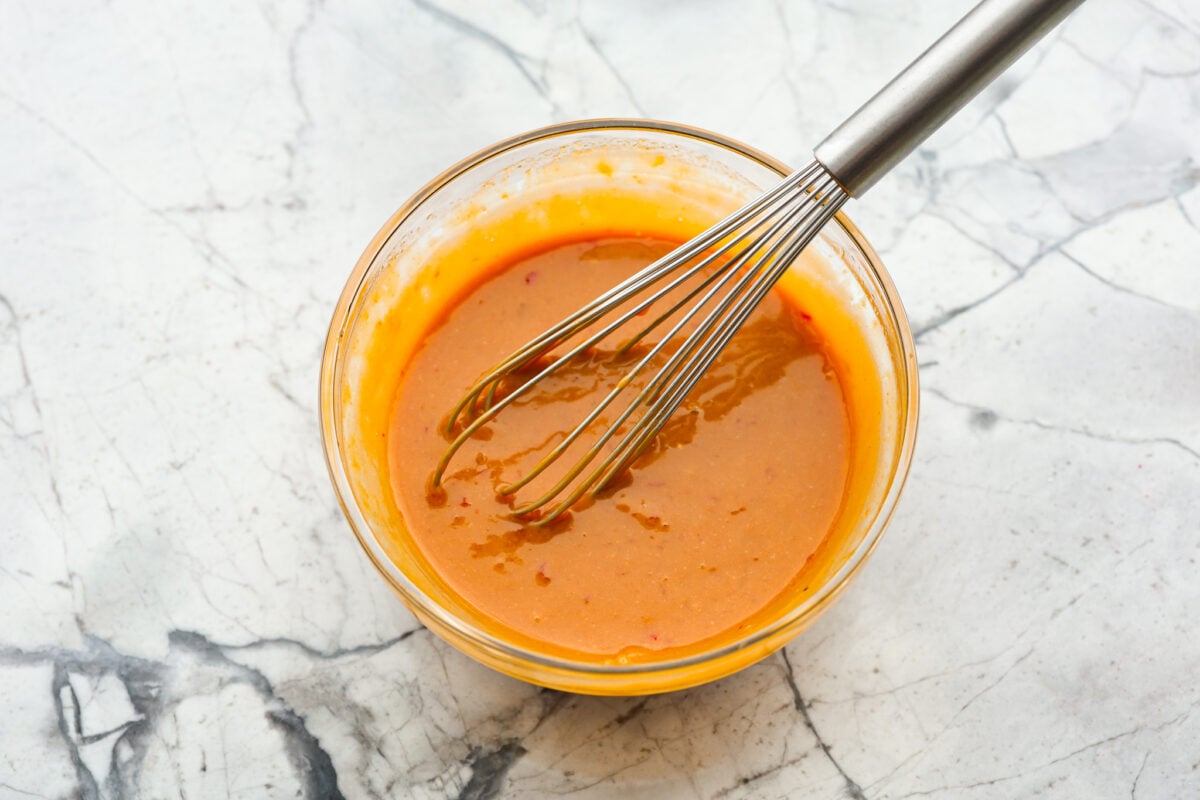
column 183, row 191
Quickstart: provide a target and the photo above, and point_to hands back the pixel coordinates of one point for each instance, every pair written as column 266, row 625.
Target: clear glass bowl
column 713, row 175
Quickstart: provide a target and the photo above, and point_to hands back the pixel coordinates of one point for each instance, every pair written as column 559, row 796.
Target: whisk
column 736, row 262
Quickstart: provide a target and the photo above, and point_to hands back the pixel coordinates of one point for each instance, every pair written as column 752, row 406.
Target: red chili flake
column 654, row 637
column 530, row 277
column 465, row 503
column 807, row 317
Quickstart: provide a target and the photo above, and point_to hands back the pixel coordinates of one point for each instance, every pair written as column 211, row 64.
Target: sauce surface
column 714, row 525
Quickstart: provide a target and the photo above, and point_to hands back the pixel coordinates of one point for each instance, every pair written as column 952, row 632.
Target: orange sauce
column 716, row 528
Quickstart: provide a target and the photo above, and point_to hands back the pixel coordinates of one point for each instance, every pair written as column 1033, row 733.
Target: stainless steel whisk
column 739, row 259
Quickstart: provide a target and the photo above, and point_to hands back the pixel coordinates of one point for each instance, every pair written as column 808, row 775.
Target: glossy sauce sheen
column 711, row 528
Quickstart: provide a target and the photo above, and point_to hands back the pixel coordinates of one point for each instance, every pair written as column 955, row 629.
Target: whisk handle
column 932, row 88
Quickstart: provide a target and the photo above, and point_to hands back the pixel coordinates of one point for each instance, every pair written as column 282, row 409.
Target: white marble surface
column 183, row 190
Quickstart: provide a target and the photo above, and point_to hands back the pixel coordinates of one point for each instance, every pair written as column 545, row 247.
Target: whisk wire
column 479, row 413
column 490, row 408
column 778, row 202
column 676, row 379
column 733, row 265
column 725, row 273
column 749, row 297
column 606, row 302
column 792, row 227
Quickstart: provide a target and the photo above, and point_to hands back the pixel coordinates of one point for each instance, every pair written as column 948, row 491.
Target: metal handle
column 931, row 89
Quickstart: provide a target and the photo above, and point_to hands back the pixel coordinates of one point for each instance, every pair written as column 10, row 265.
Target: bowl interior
column 548, row 183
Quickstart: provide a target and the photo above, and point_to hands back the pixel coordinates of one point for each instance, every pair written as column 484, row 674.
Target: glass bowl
column 694, row 178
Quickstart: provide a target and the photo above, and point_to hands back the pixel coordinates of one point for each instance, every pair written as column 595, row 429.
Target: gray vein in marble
column 917, row 754
column 852, row 788
column 490, row 40
column 35, row 437
column 1116, row 287
column 785, row 73
column 590, row 38
column 13, row 325
column 921, row 329
column 201, row 245
column 849, row 11
column 891, row 690
column 488, row 769
column 194, row 666
column 1099, row 744
column 1138, row 776
column 304, row 128
column 1178, row 22
column 1176, row 188
column 323, row 655
column 986, row 417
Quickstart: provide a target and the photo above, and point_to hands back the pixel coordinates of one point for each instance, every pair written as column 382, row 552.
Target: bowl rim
column 419, row 602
